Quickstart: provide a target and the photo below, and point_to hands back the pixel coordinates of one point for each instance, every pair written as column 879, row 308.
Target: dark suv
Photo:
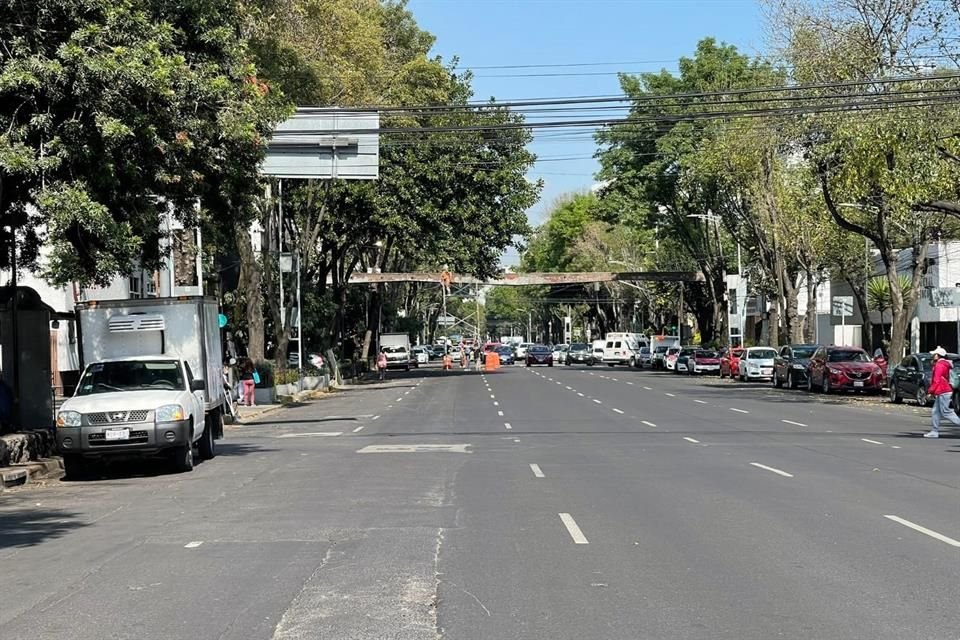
column 579, row 353
column 790, row 365
column 539, row 354
column 911, row 378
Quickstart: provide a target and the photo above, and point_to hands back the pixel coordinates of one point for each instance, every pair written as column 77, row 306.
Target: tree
column 112, row 114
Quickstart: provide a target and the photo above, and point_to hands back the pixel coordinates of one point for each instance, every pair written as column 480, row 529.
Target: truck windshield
column 110, row 377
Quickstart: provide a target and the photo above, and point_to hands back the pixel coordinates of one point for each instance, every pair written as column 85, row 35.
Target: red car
column 843, row 369
column 704, row 361
column 730, row 362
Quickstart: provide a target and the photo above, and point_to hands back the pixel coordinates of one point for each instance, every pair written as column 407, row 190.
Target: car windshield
column 761, row 354
column 108, row 377
column 395, row 349
column 704, row 353
column 850, row 355
column 660, row 349
column 579, row 347
column 673, row 351
column 803, row 352
column 539, row 349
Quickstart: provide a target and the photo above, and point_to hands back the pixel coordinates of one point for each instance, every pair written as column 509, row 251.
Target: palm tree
column 878, row 294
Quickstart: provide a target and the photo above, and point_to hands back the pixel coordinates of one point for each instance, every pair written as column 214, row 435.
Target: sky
column 603, row 37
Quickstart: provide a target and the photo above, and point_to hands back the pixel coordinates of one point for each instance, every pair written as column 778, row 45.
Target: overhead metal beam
column 528, row 279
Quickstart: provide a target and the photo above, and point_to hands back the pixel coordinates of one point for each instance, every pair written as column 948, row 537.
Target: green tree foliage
column 111, row 112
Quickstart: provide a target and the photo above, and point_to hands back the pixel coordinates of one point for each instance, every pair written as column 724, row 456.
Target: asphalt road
column 547, row 503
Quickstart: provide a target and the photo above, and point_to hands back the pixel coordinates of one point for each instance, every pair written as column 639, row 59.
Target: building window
column 136, row 287
column 733, row 302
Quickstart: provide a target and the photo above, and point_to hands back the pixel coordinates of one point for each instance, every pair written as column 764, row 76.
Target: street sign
column 325, row 143
column 842, row 306
column 447, row 321
column 945, row 297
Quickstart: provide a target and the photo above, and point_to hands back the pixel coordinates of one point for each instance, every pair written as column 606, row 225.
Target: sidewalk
column 246, row 414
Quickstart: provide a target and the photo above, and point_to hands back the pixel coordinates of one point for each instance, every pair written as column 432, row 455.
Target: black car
column 685, row 359
column 911, row 378
column 539, row 354
column 506, row 354
column 790, row 365
column 580, row 353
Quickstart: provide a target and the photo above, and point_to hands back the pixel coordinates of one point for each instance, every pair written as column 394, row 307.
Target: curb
column 20, row 474
column 285, row 402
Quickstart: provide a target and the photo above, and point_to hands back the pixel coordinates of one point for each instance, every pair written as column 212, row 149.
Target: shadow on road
column 30, row 527
column 269, row 423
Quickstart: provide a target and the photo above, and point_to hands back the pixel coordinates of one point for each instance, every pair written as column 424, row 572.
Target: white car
column 522, row 350
column 670, row 359
column 421, row 354
column 756, row 363
column 559, row 350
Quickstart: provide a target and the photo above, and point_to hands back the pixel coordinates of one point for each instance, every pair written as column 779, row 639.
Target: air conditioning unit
column 929, row 281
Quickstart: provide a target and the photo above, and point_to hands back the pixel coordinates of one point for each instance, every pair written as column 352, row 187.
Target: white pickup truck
column 152, row 384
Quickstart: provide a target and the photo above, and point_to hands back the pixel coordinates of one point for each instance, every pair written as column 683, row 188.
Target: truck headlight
column 169, row 413
column 68, row 419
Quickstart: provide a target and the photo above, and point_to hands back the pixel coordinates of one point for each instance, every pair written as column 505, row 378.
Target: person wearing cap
column 941, row 391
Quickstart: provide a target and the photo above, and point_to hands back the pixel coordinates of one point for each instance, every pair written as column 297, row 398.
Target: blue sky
column 648, row 34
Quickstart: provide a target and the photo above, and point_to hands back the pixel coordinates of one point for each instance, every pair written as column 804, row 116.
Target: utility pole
column 680, row 315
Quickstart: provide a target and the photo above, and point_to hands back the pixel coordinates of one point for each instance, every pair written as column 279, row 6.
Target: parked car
column 398, row 357
column 704, row 361
column 579, row 353
column 730, row 362
column 670, row 360
column 843, row 368
column 658, row 357
column 756, row 363
column 421, row 354
column 911, row 378
column 685, row 359
column 597, row 350
column 437, row 351
column 506, row 354
column 644, row 358
column 539, row 354
column 558, row 352
column 619, row 350
column 790, row 365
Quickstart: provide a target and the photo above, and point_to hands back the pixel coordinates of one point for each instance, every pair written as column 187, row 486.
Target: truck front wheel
column 183, row 458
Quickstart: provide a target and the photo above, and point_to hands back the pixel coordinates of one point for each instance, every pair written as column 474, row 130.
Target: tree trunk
column 810, row 323
column 250, row 284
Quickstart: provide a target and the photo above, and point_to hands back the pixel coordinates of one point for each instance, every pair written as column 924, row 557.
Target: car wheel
column 721, row 374
column 589, row 363
column 777, row 383
column 183, row 458
column 743, row 376
column 921, row 396
column 825, row 386
column 75, row 467
column 549, row 364
column 895, row 396
column 633, row 363
column 207, row 447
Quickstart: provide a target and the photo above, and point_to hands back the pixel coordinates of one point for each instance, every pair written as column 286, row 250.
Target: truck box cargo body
column 152, row 382
column 397, row 348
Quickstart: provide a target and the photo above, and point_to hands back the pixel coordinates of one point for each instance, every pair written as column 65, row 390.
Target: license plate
column 768, row 372
column 116, row 434
column 858, row 383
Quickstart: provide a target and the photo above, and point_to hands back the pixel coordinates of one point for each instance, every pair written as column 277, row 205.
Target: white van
column 623, row 348
column 597, row 350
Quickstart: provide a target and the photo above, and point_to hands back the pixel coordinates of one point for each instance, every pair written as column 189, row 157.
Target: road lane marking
column 670, row 394
column 597, row 401
column 414, row 448
column 614, row 379
column 573, row 529
column 537, row 473
column 649, row 424
column 771, row 469
column 630, row 383
column 358, row 429
column 496, row 404
column 492, row 396
column 376, row 417
column 406, row 393
column 507, row 425
column 618, row 411
column 313, row 434
column 738, row 410
column 500, row 413
column 796, row 424
column 700, row 401
column 399, row 399
column 691, row 440
column 580, row 394
column 896, row 446
column 929, row 532
column 648, row 388
column 871, row 441
column 569, row 388
column 193, row 545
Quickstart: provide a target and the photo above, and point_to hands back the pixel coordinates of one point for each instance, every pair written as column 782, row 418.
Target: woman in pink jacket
column 941, row 391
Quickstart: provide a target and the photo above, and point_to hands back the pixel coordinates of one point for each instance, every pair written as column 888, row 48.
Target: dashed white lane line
column 739, row 410
column 649, row 388
column 496, row 404
column 796, row 424
column 313, row 434
column 573, row 529
column 537, row 473
column 358, row 429
column 376, row 417
column 569, row 388
column 580, row 394
column 871, row 441
column 399, row 399
column 648, row 423
column 507, row 425
column 700, row 401
column 630, row 383
column 618, row 411
column 928, row 532
column 500, row 413
column 671, row 395
column 193, row 545
column 492, row 396
column 597, row 401
column 771, row 469
column 693, row 440
column 593, row 374
column 406, row 393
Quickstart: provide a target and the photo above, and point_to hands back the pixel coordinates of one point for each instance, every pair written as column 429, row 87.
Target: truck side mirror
column 198, row 385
